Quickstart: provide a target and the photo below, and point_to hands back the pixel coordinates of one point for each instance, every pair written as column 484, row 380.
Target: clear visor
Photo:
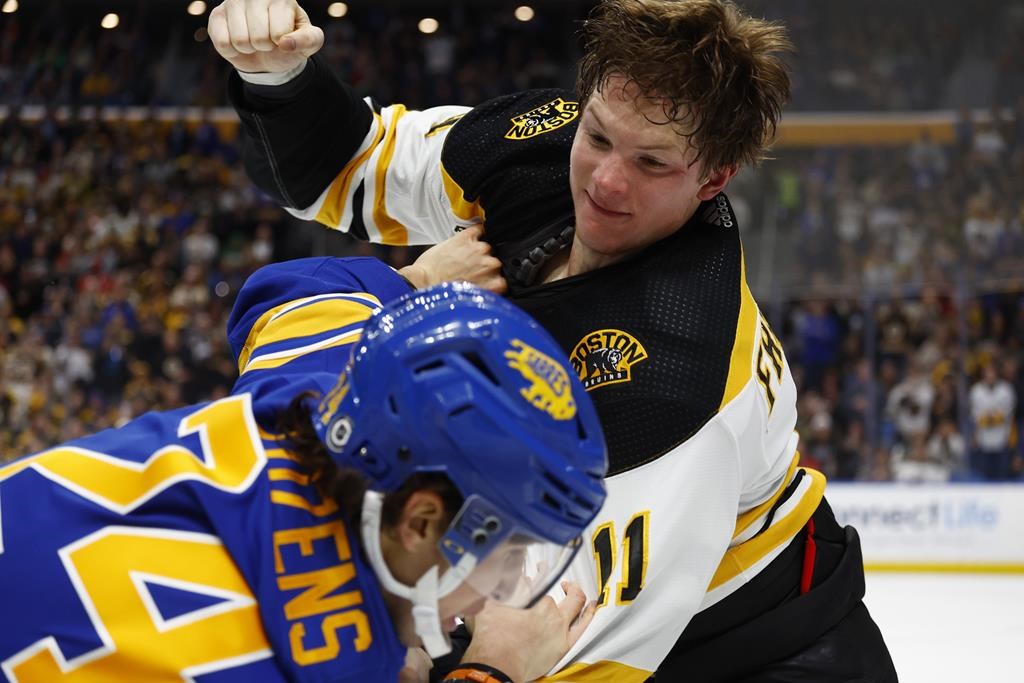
column 520, row 570
column 492, row 556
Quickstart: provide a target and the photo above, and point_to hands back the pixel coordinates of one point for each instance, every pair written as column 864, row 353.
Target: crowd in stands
column 867, row 55
column 121, row 250
column 896, row 275
column 900, row 277
column 122, row 247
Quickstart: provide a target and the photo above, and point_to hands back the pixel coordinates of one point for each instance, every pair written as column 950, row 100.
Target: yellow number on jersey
column 232, row 456
column 110, row 569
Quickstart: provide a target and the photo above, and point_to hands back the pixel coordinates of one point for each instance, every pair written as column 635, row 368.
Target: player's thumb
column 306, row 40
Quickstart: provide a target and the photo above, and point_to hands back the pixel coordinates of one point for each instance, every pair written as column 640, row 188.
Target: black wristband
column 476, row 673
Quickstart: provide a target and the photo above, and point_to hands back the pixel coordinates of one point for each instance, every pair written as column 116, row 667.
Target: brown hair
column 344, row 485
column 719, row 70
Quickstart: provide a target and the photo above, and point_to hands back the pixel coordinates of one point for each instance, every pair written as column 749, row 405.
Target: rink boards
column 925, row 528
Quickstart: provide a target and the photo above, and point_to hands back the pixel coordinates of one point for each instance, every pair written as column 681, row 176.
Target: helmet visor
column 499, row 560
column 521, row 569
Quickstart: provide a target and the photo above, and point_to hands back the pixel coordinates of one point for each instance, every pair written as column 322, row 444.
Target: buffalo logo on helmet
column 606, row 357
column 543, row 119
column 549, row 389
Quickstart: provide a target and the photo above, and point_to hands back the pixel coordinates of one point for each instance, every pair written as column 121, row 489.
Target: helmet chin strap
column 429, row 589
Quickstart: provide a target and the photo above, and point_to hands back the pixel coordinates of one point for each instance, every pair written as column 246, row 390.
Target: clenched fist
column 464, row 256
column 263, row 35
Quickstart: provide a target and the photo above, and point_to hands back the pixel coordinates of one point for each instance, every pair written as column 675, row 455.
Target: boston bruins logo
column 605, row 357
column 543, row 119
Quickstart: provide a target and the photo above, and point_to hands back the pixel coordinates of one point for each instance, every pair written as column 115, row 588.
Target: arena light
column 10, row 7
column 428, row 25
column 196, row 8
column 524, row 13
column 337, row 9
column 110, row 21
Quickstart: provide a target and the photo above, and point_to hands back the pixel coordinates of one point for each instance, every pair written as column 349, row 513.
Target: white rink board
column 953, row 527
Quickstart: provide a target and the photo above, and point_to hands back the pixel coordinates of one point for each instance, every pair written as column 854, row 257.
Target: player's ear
column 715, row 182
column 422, row 522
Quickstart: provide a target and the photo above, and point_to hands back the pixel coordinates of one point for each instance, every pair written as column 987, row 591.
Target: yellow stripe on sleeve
column 282, row 454
column 741, row 558
column 461, row 207
column 334, row 203
column 748, row 517
column 275, row 360
column 269, row 436
column 741, row 362
column 314, row 318
column 299, row 318
column 599, row 672
column 391, row 231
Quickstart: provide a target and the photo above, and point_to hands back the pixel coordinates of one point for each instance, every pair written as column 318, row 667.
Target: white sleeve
column 394, row 186
column 672, row 519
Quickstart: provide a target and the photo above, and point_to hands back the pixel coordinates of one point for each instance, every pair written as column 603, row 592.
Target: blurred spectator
column 993, row 405
column 912, row 463
column 947, row 448
column 866, row 55
column 894, row 272
column 819, row 335
column 909, row 405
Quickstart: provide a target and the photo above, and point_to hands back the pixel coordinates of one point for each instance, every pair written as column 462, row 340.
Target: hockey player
column 716, row 556
column 340, row 505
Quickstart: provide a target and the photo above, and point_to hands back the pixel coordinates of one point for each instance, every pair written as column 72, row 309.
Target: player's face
column 632, row 177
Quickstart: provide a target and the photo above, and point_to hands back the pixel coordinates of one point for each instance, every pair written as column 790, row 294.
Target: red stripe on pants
column 810, row 550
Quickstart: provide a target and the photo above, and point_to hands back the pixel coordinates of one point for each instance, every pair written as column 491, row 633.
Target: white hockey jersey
column 692, row 385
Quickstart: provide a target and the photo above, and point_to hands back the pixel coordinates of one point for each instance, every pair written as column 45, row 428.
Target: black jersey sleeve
column 296, row 137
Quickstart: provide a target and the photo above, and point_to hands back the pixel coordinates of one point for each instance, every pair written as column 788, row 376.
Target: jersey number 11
column 634, row 559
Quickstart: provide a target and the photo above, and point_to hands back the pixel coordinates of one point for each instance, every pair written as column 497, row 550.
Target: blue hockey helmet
column 457, row 380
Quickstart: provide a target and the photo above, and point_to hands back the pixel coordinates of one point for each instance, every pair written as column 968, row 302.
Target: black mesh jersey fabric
column 512, row 154
column 678, row 301
column 651, row 337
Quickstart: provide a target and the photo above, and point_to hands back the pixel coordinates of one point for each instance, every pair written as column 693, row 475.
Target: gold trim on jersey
column 751, row 515
column 274, row 360
column 391, row 231
column 443, row 125
column 462, row 208
column 337, row 194
column 269, row 436
column 741, row 361
column 282, row 454
column 298, row 318
column 742, row 557
column 603, row 671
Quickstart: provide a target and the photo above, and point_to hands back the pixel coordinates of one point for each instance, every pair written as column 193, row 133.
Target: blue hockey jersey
column 189, row 545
